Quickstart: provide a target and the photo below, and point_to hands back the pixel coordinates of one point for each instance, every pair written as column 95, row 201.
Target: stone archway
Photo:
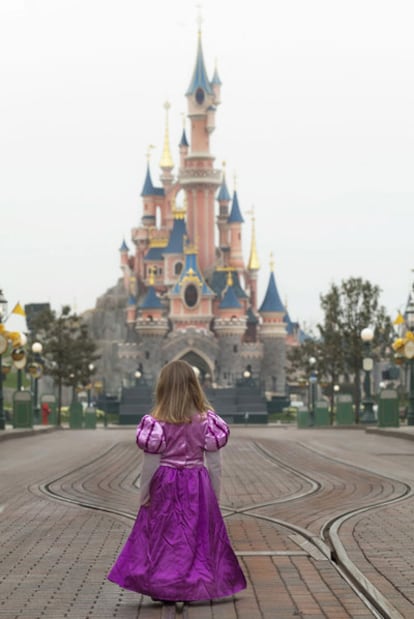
column 195, row 360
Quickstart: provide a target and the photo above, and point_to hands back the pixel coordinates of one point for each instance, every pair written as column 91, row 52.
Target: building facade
column 188, row 292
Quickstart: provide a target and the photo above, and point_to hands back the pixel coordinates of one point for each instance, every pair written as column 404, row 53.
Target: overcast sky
column 316, row 120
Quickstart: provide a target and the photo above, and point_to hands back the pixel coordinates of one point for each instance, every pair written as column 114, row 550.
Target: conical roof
column 272, row 302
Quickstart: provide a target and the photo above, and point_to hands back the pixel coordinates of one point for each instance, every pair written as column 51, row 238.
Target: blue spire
column 176, row 240
column 272, row 302
column 229, row 300
column 216, row 79
column 151, row 300
column 183, row 141
column 132, row 300
column 148, row 188
column 200, row 78
column 223, row 194
column 124, row 246
column 235, row 214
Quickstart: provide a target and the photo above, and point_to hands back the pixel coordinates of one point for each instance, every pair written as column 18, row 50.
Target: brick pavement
column 55, row 555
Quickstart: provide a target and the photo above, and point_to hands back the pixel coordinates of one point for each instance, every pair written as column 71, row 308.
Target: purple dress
column 178, row 549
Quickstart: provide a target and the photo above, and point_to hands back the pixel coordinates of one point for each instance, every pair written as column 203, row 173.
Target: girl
column 178, row 549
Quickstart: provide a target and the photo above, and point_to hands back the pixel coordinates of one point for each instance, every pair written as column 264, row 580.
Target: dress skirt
column 178, row 549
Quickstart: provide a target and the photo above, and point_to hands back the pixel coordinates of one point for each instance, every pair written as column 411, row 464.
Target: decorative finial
column 199, row 17
column 166, row 159
column 235, row 181
column 229, row 279
column 149, row 149
column 254, row 264
column 183, row 116
column 272, row 262
column 251, row 213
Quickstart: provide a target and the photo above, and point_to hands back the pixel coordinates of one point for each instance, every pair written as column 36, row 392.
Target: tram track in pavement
column 78, row 487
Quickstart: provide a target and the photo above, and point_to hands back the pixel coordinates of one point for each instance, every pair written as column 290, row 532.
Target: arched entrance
column 201, row 364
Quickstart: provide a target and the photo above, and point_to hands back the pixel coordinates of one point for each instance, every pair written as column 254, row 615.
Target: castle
column 188, row 292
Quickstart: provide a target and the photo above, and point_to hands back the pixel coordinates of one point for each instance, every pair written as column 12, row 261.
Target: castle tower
column 152, row 327
column 273, row 337
column 174, row 251
column 234, row 223
column 198, row 177
column 183, row 146
column 230, row 326
column 185, row 297
column 223, row 198
column 191, row 298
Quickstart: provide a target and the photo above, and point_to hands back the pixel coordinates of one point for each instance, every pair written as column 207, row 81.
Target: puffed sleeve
column 217, row 432
column 150, row 435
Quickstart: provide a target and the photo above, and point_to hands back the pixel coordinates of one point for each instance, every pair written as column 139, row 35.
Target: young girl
column 178, row 549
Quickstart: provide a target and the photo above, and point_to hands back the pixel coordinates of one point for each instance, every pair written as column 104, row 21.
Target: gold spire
column 272, row 262
column 254, row 264
column 166, row 159
column 229, row 279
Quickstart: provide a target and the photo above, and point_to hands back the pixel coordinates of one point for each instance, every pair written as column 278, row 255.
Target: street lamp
column 404, row 351
column 3, row 348
column 91, row 369
column 313, row 379
column 367, row 335
column 137, row 375
column 36, row 371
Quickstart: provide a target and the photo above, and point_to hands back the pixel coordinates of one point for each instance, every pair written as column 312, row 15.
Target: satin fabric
column 178, row 549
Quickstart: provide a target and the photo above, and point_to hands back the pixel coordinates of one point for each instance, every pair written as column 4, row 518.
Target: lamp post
column 36, row 372
column 313, row 379
column 3, row 348
column 91, row 369
column 409, row 355
column 137, row 375
column 367, row 335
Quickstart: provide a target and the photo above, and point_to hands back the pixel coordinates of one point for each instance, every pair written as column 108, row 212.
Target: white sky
column 316, row 121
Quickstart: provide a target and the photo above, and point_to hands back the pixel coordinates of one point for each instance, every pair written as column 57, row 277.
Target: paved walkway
column 281, row 489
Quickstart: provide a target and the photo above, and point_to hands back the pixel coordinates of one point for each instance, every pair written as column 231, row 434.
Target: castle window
column 199, row 96
column 235, row 348
column 178, row 267
column 147, row 355
column 191, row 295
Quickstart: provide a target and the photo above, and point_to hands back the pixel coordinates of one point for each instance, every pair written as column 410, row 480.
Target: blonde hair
column 178, row 394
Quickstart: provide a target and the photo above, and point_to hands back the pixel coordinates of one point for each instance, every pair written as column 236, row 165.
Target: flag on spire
column 18, row 310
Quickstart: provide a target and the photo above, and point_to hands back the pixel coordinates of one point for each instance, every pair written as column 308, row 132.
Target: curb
column 10, row 434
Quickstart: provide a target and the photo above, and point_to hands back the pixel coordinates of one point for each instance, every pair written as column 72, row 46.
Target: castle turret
column 198, row 177
column 273, row 337
column 223, row 198
column 174, row 252
column 191, row 298
column 183, row 145
column 229, row 326
column 152, row 327
column 234, row 224
column 216, row 84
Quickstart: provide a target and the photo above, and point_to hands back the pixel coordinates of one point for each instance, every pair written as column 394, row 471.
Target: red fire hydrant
column 45, row 413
